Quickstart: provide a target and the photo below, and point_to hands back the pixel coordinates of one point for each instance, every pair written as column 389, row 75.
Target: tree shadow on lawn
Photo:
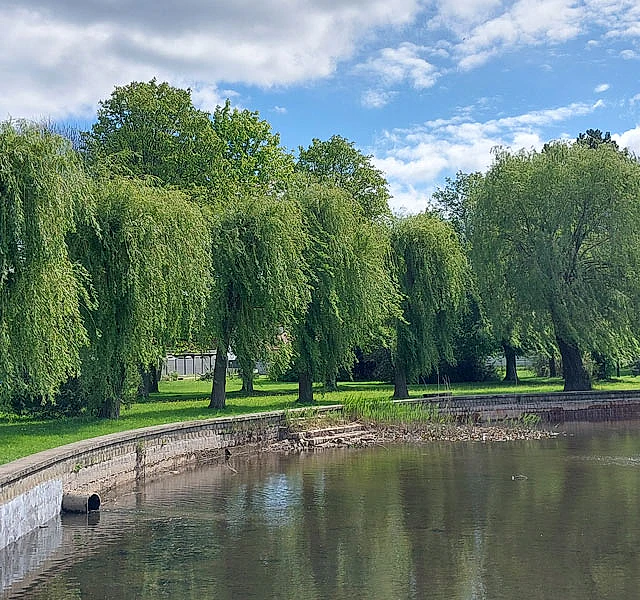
column 348, row 386
column 172, row 397
column 239, row 394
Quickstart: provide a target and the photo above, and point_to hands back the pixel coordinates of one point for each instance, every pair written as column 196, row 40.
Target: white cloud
column 619, row 18
column 524, row 23
column 207, row 97
column 629, row 139
column 404, row 63
column 628, row 54
column 59, row 58
column 603, row 87
column 281, row 110
column 415, row 160
column 463, row 13
column 487, row 28
column 407, row 199
column 376, row 98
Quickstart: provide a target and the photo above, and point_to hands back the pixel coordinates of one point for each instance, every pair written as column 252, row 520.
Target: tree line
column 164, row 226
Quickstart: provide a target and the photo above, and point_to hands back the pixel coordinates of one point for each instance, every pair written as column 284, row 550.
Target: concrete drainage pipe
column 80, row 504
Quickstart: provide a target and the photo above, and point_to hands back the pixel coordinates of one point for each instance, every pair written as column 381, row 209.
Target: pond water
column 548, row 519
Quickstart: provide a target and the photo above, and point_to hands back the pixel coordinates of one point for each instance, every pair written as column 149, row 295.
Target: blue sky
column 427, row 87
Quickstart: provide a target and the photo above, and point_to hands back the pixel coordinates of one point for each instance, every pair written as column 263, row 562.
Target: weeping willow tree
column 259, row 286
column 563, row 223
column 352, row 292
column 42, row 188
column 149, row 260
column 432, row 273
column 254, row 233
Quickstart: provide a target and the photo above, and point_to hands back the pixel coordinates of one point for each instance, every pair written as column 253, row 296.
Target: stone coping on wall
column 531, row 397
column 550, row 406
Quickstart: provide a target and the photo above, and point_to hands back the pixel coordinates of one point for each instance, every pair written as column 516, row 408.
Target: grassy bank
column 186, row 400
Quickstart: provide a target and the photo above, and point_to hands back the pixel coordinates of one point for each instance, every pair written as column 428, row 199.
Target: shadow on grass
column 260, row 393
column 348, row 386
column 172, row 397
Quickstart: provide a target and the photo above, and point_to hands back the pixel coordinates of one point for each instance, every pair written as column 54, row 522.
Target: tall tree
column 337, row 161
column 455, row 201
column 564, row 221
column 259, row 284
column 152, row 129
column 254, row 160
column 432, row 272
column 257, row 240
column 592, row 138
column 42, row 190
column 509, row 325
column 148, row 255
column 352, row 292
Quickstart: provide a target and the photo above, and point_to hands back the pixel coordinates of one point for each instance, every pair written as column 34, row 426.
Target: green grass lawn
column 186, row 400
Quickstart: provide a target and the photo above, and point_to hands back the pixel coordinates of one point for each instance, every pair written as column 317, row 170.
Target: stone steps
column 329, row 431
column 353, row 434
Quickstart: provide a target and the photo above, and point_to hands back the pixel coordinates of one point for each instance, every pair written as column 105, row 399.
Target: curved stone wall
column 31, row 488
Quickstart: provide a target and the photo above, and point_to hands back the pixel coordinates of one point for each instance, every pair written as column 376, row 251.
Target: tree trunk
column 510, row 360
column 150, row 376
column 331, row 383
column 247, row 384
column 575, row 375
column 219, row 388
column 553, row 369
column 305, row 388
column 601, row 367
column 110, row 409
column 145, row 384
column 246, row 369
column 400, row 387
column 156, row 373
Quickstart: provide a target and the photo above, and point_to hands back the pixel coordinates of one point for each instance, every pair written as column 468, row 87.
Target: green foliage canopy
column 432, row 273
column 254, row 161
column 148, row 256
column 338, row 162
column 42, row 191
column 563, row 226
column 152, row 129
column 511, row 327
